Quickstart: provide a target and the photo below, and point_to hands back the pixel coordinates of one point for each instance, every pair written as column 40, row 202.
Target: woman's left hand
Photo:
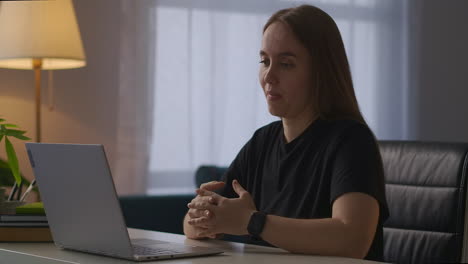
column 230, row 216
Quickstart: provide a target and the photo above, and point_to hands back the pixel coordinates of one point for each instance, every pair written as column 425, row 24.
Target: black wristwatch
column 256, row 224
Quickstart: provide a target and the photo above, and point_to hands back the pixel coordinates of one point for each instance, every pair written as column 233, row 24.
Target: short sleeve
column 237, row 170
column 357, row 167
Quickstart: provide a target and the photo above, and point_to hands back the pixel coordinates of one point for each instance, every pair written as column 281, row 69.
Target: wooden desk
column 41, row 253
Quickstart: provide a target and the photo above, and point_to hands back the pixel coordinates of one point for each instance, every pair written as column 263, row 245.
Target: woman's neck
column 293, row 127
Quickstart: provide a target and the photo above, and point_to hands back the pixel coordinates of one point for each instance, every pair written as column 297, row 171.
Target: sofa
column 426, row 194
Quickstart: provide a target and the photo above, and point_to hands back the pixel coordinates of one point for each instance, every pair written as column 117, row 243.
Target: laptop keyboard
column 147, row 251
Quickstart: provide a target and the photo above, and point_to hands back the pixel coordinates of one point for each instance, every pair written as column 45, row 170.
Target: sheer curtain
column 206, row 100
column 135, row 113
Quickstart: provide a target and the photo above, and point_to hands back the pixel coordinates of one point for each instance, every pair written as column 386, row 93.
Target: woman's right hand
column 195, row 213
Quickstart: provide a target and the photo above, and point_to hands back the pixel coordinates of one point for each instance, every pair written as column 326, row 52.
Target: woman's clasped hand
column 212, row 214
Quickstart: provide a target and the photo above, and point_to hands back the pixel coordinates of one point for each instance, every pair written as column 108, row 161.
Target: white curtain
column 135, row 114
column 206, row 100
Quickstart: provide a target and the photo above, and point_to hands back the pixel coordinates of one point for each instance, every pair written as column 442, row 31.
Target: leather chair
column 426, row 196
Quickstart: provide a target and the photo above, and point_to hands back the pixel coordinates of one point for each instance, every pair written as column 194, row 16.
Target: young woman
column 313, row 182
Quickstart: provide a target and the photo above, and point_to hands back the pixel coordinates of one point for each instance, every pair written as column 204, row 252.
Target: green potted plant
column 9, row 170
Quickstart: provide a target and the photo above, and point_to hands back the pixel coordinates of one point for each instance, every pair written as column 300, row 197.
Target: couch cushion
column 163, row 213
column 208, row 173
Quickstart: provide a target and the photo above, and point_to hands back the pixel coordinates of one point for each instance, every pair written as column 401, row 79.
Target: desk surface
column 40, row 253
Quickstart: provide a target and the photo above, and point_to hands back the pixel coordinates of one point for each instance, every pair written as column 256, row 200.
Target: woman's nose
column 270, row 75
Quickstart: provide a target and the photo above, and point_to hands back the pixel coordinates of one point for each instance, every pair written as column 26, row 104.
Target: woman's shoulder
column 269, row 130
column 342, row 129
column 261, row 136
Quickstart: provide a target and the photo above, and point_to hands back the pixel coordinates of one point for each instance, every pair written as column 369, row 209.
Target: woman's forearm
column 348, row 233
column 326, row 236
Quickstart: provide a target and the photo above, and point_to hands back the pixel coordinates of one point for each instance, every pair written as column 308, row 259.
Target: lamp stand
column 37, row 66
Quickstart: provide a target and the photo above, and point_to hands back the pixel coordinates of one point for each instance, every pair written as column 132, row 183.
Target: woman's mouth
column 273, row 96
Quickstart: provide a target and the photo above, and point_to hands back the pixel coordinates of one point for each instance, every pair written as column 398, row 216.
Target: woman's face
column 285, row 73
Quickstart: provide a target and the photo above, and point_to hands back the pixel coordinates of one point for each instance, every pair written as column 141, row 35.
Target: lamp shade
column 45, row 30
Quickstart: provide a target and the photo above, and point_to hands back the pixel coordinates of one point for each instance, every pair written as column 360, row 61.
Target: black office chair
column 426, row 195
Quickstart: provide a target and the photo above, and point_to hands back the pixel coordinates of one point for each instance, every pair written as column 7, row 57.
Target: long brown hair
column 334, row 96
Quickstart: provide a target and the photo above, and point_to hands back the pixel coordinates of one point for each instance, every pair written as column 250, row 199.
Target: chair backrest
column 426, row 195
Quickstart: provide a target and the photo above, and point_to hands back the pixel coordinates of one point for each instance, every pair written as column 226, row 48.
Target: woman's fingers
column 212, row 197
column 202, row 206
column 203, row 192
column 212, row 236
column 202, row 203
column 239, row 189
column 195, row 213
column 201, row 222
column 212, row 185
column 206, row 199
column 199, row 230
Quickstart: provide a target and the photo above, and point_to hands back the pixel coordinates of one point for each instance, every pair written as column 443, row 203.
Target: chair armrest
column 163, row 213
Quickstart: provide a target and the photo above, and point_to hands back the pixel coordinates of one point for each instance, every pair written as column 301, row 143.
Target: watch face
column 256, row 224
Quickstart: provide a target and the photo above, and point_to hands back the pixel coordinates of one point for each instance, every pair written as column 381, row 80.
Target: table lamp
column 39, row 35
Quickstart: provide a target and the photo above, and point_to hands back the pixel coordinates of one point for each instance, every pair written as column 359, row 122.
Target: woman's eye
column 265, row 62
column 286, row 65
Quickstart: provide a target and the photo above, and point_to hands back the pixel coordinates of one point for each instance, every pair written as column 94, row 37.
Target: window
column 208, row 101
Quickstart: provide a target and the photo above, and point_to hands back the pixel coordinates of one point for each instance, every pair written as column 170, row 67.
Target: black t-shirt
column 302, row 178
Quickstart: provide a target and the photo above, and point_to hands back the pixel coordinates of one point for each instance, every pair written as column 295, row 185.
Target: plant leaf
column 14, row 132
column 1, row 137
column 2, row 120
column 9, row 125
column 12, row 160
column 22, row 137
column 7, row 178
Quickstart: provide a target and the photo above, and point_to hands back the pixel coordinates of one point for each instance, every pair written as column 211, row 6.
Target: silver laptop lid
column 70, row 177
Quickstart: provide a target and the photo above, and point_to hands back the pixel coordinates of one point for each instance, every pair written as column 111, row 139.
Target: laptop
column 83, row 209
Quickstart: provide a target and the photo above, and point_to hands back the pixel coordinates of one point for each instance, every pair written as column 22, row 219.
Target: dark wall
column 438, row 92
